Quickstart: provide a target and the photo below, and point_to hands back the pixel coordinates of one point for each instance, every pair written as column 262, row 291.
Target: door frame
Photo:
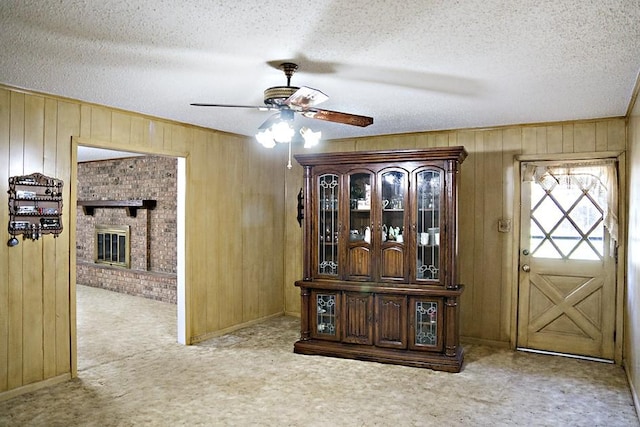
column 183, row 307
column 620, row 157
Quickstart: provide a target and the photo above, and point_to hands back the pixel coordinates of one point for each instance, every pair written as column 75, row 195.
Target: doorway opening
column 165, row 275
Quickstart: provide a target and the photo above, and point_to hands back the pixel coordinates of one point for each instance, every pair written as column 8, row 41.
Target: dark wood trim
column 131, row 206
column 418, row 359
column 367, row 157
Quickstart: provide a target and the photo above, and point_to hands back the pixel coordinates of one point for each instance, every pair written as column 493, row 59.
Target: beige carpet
column 131, row 372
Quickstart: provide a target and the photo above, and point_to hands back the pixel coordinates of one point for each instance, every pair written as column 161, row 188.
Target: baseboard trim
column 199, row 338
column 10, row 394
column 292, row 314
column 480, row 341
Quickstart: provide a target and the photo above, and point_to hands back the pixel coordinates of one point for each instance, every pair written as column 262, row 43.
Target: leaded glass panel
column 326, row 314
column 393, row 190
column 328, row 200
column 426, row 322
column 429, row 194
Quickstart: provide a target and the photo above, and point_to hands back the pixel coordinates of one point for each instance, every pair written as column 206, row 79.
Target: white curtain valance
column 603, row 172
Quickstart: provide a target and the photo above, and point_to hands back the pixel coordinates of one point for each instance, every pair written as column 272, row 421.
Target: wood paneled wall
column 234, row 228
column 240, row 202
column 487, row 194
column 632, row 305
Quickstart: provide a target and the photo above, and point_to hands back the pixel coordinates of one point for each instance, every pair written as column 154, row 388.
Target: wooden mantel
column 132, row 206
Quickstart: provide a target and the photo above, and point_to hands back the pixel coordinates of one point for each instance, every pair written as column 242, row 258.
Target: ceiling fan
column 287, row 100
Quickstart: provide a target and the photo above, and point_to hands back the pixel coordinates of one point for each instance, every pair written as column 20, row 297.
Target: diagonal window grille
column 567, row 215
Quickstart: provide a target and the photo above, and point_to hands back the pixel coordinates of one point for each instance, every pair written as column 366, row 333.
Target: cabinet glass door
column 360, row 226
column 425, row 328
column 429, row 200
column 328, row 200
column 393, row 186
column 325, row 312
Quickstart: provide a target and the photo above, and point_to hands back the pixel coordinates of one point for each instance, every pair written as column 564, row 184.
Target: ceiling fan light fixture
column 310, row 137
column 282, row 132
column 265, row 138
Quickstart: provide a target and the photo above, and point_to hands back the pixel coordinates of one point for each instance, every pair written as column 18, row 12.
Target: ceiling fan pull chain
column 289, row 164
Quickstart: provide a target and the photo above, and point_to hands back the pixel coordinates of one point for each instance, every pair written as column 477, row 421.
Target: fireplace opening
column 112, row 245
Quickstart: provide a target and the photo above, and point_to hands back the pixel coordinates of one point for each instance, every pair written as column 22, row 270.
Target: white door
column 567, row 265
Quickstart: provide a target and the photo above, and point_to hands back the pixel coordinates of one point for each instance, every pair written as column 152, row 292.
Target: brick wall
column 153, row 233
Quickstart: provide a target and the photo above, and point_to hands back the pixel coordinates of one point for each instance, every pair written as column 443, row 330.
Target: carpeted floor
column 132, row 372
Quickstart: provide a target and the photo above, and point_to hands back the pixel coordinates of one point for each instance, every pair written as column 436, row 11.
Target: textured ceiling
column 412, row 65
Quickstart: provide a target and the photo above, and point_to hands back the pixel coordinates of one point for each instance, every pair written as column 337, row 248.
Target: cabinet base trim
column 417, row 359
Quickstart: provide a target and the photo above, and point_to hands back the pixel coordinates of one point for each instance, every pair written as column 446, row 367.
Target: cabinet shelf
column 131, row 206
column 38, row 199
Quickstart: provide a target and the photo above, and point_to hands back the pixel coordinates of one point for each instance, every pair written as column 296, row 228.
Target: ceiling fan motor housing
column 278, row 94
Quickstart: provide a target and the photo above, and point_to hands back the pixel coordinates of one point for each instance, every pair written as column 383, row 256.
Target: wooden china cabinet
column 380, row 254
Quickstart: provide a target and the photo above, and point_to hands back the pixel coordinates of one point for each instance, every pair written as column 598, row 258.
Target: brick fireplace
column 152, row 232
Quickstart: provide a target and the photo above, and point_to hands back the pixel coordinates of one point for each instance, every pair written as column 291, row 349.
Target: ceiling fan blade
column 338, row 117
column 304, row 98
column 257, row 107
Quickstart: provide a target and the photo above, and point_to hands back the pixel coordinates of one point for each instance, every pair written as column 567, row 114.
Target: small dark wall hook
column 300, row 216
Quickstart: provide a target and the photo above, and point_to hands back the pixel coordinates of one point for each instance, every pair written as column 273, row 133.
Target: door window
column 569, row 210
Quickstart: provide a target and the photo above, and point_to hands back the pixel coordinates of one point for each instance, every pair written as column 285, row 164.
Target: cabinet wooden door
column 391, row 225
column 326, row 227
column 391, row 321
column 426, row 324
column 359, row 254
column 427, row 221
column 325, row 315
column 357, row 311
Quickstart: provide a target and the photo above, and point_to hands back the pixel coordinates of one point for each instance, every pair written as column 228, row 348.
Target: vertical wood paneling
column 554, row 139
column 15, row 303
column 492, row 242
column 100, row 123
column 567, row 138
column 541, row 139
column 136, row 136
column 632, row 291
column 529, row 140
column 121, row 127
column 478, row 280
column 616, row 138
column 198, row 200
column 32, row 287
column 5, row 110
column 602, row 129
column 85, row 121
column 230, row 231
column 466, row 232
column 585, row 134
column 49, row 247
